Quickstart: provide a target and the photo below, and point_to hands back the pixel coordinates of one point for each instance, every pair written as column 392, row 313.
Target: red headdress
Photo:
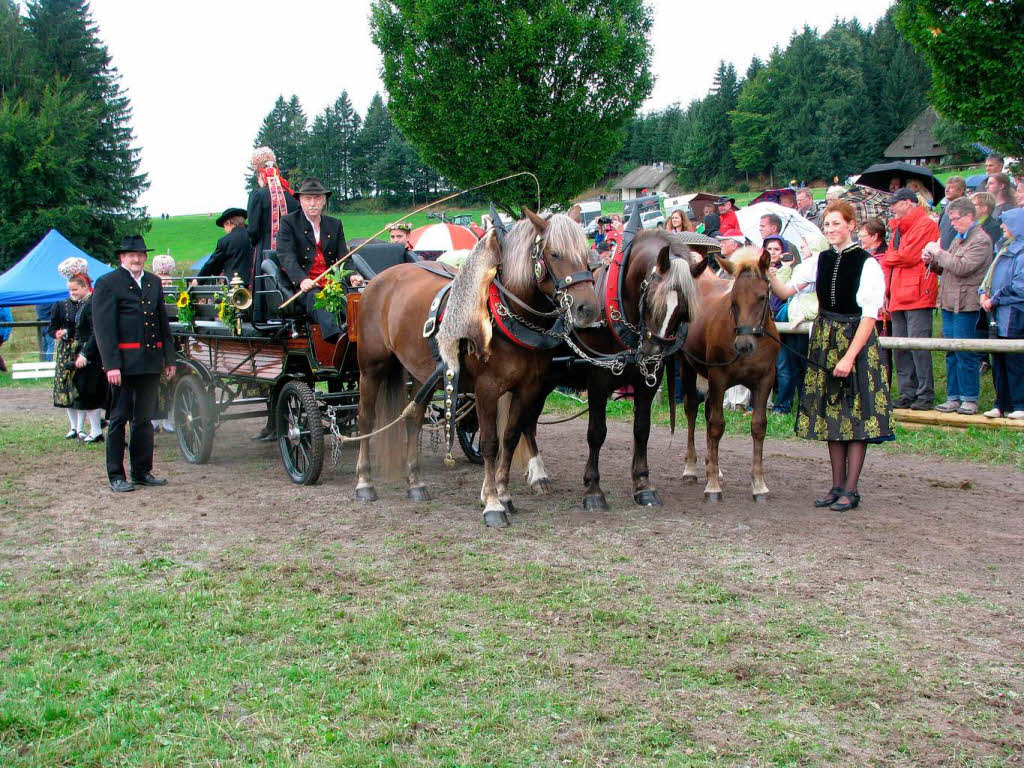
column 264, row 163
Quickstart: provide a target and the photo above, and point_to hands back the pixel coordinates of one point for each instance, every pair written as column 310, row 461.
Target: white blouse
column 871, row 291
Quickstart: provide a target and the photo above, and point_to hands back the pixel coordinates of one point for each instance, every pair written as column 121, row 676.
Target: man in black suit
column 308, row 244
column 134, row 339
column 233, row 254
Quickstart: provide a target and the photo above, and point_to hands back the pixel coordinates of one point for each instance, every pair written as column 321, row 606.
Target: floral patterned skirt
column 858, row 407
column 62, row 374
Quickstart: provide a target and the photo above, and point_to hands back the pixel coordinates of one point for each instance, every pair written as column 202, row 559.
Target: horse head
column 750, row 309
column 661, row 280
column 550, row 255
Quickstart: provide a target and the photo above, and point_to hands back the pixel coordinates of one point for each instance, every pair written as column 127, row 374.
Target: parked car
column 651, row 219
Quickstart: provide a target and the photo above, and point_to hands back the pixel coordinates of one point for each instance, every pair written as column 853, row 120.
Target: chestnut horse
column 646, row 319
column 732, row 342
column 543, row 266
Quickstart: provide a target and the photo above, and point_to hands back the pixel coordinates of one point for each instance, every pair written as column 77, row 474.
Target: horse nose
column 585, row 314
column 744, row 345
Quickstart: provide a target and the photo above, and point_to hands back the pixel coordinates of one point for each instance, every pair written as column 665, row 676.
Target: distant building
column 917, row 144
column 653, row 178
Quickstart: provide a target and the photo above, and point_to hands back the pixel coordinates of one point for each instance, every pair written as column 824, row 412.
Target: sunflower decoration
column 331, row 297
column 182, row 301
column 227, row 313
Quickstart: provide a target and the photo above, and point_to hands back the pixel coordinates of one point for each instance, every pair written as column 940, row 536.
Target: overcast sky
column 202, row 75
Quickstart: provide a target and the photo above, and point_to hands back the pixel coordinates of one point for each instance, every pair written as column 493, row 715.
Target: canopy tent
column 197, row 265
column 35, row 279
column 794, row 226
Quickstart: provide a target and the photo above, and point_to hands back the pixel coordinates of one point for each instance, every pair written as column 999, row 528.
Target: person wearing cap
column 913, row 289
column 727, row 220
column 308, row 244
column 134, row 339
column 233, row 253
column 399, row 233
column 731, row 241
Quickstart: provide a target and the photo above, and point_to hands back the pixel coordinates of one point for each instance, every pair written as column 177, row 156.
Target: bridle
column 756, row 331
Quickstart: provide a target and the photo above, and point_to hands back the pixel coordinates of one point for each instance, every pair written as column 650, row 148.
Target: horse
column 649, row 297
column 733, row 341
column 542, row 266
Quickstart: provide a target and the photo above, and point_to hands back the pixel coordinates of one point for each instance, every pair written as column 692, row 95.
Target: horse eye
column 555, row 255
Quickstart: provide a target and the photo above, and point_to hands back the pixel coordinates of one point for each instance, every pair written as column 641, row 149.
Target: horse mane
column 678, row 277
column 747, row 260
column 564, row 236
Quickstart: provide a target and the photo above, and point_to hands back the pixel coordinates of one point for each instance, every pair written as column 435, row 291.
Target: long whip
column 452, row 196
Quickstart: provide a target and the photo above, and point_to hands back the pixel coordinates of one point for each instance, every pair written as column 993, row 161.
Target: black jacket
column 232, row 255
column 63, row 316
column 258, row 215
column 131, row 326
column 296, row 247
column 85, row 337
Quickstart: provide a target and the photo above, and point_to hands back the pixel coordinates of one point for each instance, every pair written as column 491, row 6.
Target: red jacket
column 728, row 221
column 910, row 284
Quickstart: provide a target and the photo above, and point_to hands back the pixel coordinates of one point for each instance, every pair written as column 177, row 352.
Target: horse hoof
column 496, row 518
column 712, row 496
column 508, row 505
column 760, row 498
column 366, row 493
column 690, row 479
column 595, row 501
column 647, row 498
column 419, row 493
column 542, row 487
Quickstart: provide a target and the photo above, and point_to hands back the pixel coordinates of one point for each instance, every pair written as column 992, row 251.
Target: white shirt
column 316, row 228
column 804, row 275
column 871, row 291
column 138, row 280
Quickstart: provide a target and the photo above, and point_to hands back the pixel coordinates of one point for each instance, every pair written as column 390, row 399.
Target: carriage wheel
column 301, row 433
column 468, row 432
column 194, row 421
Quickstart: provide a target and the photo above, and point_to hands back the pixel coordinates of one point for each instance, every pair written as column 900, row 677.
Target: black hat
column 903, row 194
column 723, row 200
column 312, row 186
column 230, row 213
column 133, row 244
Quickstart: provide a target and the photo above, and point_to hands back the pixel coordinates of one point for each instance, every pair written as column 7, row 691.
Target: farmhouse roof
column 918, row 140
column 642, row 176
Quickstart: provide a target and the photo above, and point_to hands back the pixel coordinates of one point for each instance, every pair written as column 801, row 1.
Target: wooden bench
column 43, row 370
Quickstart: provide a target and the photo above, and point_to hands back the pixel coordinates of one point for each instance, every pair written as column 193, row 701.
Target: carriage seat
column 374, row 258
column 272, row 289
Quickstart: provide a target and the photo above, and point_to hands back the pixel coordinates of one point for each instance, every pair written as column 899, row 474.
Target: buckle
column 429, row 326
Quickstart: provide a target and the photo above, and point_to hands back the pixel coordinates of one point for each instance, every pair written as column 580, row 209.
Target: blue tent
column 35, row 279
column 196, row 266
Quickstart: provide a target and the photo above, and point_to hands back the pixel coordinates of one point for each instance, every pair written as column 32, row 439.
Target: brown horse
column 732, row 342
column 646, row 314
column 542, row 265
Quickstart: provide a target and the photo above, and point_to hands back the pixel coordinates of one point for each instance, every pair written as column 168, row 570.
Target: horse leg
column 691, row 406
column 487, row 417
column 370, row 379
column 643, row 493
column 417, row 489
column 758, row 427
column 536, row 472
column 518, row 408
column 715, row 419
column 598, row 390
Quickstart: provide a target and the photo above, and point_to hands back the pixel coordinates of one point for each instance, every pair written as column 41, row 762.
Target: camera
column 787, row 256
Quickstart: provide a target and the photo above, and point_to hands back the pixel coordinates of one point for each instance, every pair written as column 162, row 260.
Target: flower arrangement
column 331, row 297
column 182, row 300
column 226, row 311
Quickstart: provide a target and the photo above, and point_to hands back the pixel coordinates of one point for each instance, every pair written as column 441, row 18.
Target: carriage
column 270, row 362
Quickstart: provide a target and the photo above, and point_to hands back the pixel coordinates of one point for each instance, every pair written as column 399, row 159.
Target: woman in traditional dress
column 270, row 202
column 62, row 328
column 846, row 398
column 89, row 384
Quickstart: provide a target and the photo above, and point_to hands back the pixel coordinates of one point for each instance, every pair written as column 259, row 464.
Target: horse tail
column 388, row 448
column 670, row 384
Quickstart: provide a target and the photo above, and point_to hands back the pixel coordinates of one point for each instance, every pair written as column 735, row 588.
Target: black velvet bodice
column 838, row 279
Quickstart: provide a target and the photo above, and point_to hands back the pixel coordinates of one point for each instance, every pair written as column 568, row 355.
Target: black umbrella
column 878, row 176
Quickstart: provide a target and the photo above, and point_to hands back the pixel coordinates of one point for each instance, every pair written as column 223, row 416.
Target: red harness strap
column 493, row 302
column 612, row 300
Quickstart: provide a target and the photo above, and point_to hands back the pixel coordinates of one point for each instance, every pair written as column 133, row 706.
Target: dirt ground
column 926, row 528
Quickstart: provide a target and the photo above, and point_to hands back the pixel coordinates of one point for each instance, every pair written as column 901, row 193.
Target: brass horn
column 239, row 296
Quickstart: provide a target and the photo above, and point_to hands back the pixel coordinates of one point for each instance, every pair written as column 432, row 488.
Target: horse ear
column 576, row 213
column 697, row 267
column 764, row 262
column 664, row 259
column 538, row 223
column 727, row 265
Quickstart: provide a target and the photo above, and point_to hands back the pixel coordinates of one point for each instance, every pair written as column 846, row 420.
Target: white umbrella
column 794, row 226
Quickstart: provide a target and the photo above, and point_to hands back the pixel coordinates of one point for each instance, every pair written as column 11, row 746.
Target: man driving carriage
column 308, row 244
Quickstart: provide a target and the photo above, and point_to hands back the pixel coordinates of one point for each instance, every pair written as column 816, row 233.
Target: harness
column 738, row 330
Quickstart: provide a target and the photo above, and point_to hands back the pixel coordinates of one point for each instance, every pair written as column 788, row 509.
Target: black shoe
column 121, row 485
column 922, row 405
column 829, row 499
column 72, row 435
column 97, row 439
column 149, row 479
column 852, row 501
column 266, row 435
column 904, row 402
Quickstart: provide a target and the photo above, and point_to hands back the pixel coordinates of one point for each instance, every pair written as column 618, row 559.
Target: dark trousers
column 914, row 369
column 135, row 403
column 1008, row 376
column 327, row 321
column 789, row 370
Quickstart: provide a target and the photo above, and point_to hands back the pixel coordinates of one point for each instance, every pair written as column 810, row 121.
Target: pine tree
column 67, row 45
column 371, row 144
column 18, row 63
